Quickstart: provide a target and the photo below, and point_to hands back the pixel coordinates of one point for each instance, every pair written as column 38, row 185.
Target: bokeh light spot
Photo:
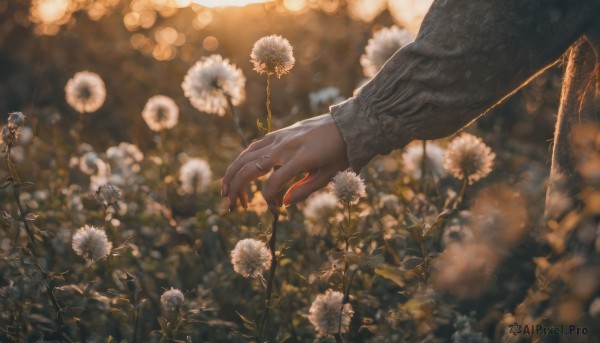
column 166, row 35
column 210, row 43
column 49, row 11
column 224, row 3
column 132, row 20
column 294, row 5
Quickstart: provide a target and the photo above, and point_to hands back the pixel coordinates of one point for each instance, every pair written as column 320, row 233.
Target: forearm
column 468, row 56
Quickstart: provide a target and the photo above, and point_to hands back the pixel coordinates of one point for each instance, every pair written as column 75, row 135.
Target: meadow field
column 120, row 117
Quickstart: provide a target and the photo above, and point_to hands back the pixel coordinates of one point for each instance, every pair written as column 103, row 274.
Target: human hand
column 314, row 146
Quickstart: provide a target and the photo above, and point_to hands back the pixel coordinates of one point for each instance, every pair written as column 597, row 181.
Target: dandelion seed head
column 91, row 164
column 91, row 243
column 348, row 187
column 272, row 55
column 16, row 119
column 160, row 113
column 210, row 81
column 171, row 300
column 467, row 157
column 127, row 152
column 10, row 132
column 412, row 159
column 320, row 206
column 382, row 46
column 125, row 159
column 85, row 92
column 250, row 257
column 195, row 175
column 326, row 312
column 108, row 194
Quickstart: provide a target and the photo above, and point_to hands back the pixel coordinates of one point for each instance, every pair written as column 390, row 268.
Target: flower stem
column 461, row 195
column 338, row 338
column 268, row 102
column 236, row 120
column 265, row 316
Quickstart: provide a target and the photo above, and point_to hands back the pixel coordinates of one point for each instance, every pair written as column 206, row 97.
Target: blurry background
column 144, row 47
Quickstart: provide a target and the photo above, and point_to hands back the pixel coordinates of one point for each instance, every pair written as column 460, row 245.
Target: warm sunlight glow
column 183, row 3
column 223, row 3
column 409, row 13
column 49, row 11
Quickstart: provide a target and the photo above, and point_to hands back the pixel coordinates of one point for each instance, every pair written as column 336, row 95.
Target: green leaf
column 374, row 261
column 394, row 274
column 6, row 182
column 248, row 324
column 437, row 223
column 164, row 324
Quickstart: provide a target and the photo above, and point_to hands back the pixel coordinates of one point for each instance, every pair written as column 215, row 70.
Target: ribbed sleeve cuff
column 365, row 134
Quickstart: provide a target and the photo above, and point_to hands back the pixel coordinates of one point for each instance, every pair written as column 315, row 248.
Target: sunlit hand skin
column 314, row 146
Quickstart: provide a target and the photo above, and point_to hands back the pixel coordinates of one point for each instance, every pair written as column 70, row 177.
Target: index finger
column 251, row 153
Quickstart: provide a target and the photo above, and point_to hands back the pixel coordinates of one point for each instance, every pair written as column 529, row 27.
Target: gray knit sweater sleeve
column 468, row 56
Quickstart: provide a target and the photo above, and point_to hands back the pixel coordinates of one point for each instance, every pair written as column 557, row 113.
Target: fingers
column 245, row 158
column 253, row 169
column 294, row 166
column 305, row 187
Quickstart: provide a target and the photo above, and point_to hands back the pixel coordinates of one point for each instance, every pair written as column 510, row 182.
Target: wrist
column 365, row 135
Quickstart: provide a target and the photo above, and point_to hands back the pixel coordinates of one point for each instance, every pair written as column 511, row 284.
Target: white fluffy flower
column 160, row 113
column 318, row 210
column 210, row 81
column 85, row 92
column 467, row 157
column 195, row 175
column 348, row 187
column 327, row 311
column 250, row 257
column 127, row 152
column 320, row 206
column 412, row 159
column 171, row 300
column 272, row 55
column 125, row 159
column 91, row 243
column 382, row 46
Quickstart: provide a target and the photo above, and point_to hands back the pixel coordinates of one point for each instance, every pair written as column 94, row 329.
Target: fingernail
column 224, row 191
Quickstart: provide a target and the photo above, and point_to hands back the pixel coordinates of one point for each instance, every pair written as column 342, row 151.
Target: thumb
column 305, row 187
